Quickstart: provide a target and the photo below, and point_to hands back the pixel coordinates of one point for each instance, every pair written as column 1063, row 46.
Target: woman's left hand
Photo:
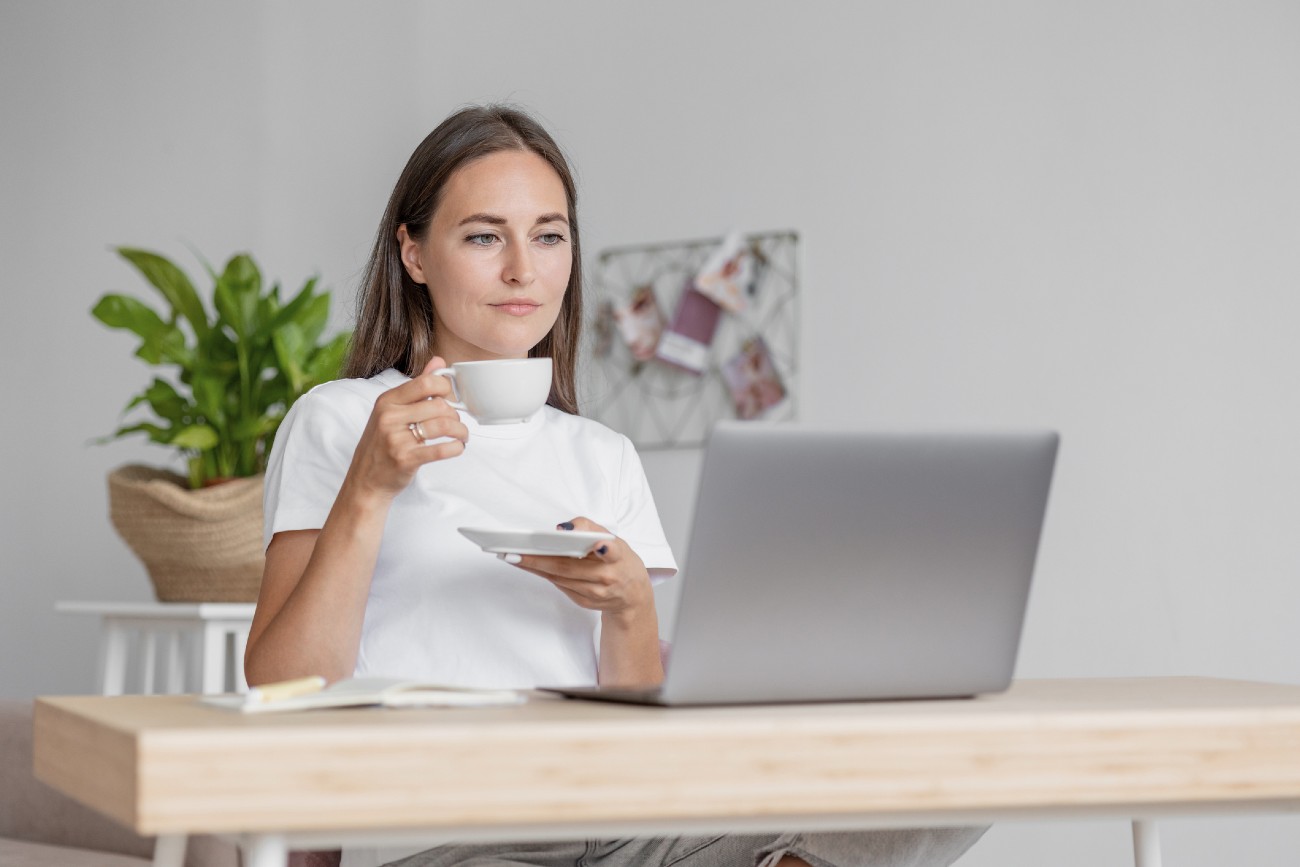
column 611, row 579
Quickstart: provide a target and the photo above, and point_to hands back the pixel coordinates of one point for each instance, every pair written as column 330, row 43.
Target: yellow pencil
column 284, row 689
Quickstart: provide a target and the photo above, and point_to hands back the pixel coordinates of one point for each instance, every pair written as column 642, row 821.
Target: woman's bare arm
column 313, row 597
column 316, row 582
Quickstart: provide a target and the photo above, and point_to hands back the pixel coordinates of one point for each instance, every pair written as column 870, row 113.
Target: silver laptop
column 833, row 566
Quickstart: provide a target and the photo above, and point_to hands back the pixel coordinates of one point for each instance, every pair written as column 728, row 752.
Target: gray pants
column 931, row 847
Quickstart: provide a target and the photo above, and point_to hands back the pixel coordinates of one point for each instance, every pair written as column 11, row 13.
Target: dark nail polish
column 567, row 525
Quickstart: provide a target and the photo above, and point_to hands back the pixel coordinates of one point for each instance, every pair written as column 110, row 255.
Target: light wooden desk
column 203, row 643
column 555, row 769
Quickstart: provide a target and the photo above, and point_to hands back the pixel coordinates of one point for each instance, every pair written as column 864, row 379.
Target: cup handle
column 451, row 374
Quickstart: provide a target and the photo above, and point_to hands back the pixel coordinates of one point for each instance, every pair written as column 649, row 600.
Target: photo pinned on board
column 686, row 342
column 728, row 276
column 640, row 322
column 752, row 380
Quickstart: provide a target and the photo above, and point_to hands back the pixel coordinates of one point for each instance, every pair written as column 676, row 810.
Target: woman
column 477, row 257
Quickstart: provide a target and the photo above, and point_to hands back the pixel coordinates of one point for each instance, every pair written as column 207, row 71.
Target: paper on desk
column 370, row 692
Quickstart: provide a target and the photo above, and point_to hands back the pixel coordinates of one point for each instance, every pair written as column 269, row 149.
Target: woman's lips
column 517, row 308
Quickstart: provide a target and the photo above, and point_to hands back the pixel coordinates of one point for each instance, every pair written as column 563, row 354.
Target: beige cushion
column 32, row 811
column 21, row 853
column 44, row 819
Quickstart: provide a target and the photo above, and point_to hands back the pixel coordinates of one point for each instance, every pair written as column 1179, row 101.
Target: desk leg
column 1146, row 843
column 212, row 659
column 149, row 665
column 194, row 658
column 265, row 850
column 112, row 676
column 175, row 663
column 169, row 850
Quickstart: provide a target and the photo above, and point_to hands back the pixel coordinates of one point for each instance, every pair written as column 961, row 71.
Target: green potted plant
column 237, row 364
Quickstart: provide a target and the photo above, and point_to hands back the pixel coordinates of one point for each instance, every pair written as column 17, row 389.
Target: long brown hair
column 395, row 317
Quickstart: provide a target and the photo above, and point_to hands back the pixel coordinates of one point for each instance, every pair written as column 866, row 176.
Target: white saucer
column 550, row 543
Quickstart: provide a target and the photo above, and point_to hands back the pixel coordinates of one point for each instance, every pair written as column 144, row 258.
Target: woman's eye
column 551, row 239
column 482, row 240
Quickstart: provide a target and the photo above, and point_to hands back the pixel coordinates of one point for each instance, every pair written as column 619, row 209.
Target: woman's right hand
column 391, row 449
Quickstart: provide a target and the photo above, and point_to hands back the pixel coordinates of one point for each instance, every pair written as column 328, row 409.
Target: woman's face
column 496, row 258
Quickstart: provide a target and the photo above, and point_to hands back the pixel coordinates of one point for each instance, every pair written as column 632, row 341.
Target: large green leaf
column 313, row 317
column 121, row 311
column 172, row 283
column 160, row 340
column 229, row 313
column 289, row 312
column 243, row 274
column 237, row 293
column 290, row 351
column 196, row 436
column 156, row 434
column 328, row 359
column 220, row 349
column 164, row 401
column 268, row 306
column 167, row 345
column 210, row 395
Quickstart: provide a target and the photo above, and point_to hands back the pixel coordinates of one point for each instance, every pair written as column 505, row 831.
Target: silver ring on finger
column 417, row 432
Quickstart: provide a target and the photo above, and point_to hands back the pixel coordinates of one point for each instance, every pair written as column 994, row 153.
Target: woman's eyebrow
column 483, row 218
column 494, row 220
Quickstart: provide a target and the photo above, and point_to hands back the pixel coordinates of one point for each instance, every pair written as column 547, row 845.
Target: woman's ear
column 409, row 250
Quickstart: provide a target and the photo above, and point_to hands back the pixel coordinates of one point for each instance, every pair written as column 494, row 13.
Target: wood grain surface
column 162, row 764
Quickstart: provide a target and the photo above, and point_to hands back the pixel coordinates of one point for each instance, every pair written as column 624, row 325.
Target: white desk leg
column 112, row 676
column 169, row 850
column 213, row 659
column 150, row 662
column 1146, row 843
column 265, row 850
column 194, row 659
column 175, row 682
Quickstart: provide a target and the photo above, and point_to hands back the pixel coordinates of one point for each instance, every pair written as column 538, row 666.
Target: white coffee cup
column 501, row 391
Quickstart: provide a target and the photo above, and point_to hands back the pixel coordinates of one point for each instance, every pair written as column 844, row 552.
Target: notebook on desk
column 840, row 566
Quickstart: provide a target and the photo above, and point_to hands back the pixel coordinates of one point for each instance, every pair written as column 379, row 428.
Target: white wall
column 1083, row 216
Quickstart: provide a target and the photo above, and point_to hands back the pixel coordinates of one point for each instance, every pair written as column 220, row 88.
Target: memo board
column 660, row 406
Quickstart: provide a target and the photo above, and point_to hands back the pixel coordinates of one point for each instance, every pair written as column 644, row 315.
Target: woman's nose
column 518, row 265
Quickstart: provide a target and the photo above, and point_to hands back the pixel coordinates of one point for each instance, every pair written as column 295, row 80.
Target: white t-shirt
column 440, row 609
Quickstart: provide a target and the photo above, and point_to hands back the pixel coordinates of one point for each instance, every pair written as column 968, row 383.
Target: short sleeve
column 309, row 459
column 638, row 519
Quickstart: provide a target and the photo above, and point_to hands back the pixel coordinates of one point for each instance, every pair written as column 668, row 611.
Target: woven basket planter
column 198, row 546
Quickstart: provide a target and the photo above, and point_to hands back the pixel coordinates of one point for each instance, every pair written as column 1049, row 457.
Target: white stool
column 202, row 644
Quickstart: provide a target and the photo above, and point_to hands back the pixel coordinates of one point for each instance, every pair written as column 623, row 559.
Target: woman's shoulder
column 581, row 424
column 348, row 397
column 586, row 430
column 372, row 386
